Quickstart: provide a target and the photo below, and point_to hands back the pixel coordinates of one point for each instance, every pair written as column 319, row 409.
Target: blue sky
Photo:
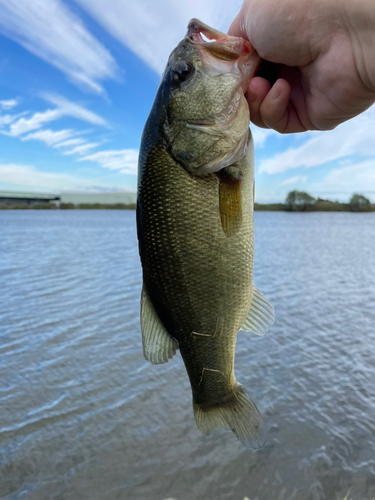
column 77, row 81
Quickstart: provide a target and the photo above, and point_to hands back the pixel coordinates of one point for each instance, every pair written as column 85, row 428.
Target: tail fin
column 237, row 413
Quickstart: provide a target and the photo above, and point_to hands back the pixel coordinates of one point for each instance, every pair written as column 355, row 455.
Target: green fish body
column 196, row 231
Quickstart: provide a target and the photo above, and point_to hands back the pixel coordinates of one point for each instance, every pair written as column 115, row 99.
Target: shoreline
column 68, row 206
column 318, row 206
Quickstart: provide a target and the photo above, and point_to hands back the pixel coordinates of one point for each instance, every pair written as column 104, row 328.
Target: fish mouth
column 218, row 44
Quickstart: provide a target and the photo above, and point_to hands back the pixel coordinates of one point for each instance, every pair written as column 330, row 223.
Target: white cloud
column 8, row 104
column 354, row 137
column 83, row 149
column 260, row 135
column 48, row 136
column 72, row 109
column 344, row 181
column 152, row 29
column 297, row 179
column 63, row 108
column 125, row 160
column 29, row 176
column 7, row 119
column 51, row 31
column 70, row 142
column 60, row 139
column 37, row 120
column 66, row 140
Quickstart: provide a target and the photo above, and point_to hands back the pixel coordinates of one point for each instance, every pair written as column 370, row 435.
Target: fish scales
column 196, row 240
column 180, row 277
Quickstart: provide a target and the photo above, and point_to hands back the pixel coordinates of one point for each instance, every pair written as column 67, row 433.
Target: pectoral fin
column 158, row 345
column 261, row 315
column 230, row 200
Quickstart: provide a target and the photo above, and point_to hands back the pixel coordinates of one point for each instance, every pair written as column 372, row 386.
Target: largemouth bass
column 195, row 225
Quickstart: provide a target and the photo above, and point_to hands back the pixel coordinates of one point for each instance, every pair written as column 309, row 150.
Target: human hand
column 323, row 55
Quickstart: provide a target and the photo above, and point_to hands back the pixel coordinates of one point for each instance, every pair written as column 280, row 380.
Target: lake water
column 83, row 416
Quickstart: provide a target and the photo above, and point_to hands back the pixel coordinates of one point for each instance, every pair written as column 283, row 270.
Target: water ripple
column 84, row 416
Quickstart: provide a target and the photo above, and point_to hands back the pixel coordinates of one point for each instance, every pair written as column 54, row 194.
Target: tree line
column 301, row 201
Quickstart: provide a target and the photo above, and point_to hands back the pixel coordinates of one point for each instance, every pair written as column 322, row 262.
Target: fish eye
column 182, row 72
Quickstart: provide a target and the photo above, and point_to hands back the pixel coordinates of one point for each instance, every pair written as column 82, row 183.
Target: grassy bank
column 300, row 201
column 296, row 201
column 318, row 206
column 270, row 207
column 68, row 206
column 347, row 497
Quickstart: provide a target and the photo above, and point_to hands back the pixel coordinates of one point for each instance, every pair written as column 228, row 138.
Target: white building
column 14, row 198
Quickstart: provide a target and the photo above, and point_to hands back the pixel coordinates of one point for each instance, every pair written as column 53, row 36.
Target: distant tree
column 359, row 203
column 299, row 200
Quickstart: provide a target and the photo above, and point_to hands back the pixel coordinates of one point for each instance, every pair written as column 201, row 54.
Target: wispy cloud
column 63, row 107
column 69, row 143
column 37, row 120
column 260, row 135
column 51, row 31
column 344, row 181
column 30, row 177
column 297, row 179
column 152, row 29
column 70, row 108
column 83, row 149
column 124, row 160
column 8, row 104
column 355, row 137
column 49, row 137
column 7, row 119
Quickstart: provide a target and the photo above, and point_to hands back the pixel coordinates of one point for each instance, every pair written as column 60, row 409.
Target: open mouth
column 219, row 44
column 196, row 29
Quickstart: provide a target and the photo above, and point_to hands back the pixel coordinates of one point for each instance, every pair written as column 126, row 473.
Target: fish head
column 206, row 125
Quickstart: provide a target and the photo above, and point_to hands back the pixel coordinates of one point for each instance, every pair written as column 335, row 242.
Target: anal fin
column 261, row 315
column 158, row 346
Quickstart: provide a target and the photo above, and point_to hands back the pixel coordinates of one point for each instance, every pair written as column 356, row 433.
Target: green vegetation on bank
column 96, row 206
column 300, row 201
column 25, row 206
column 296, row 201
column 68, row 206
column 347, row 497
column 270, row 207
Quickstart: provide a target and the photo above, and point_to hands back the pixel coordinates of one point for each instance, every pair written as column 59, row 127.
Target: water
column 83, row 416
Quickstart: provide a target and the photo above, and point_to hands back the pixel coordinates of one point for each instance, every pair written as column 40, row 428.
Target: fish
column 195, row 201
